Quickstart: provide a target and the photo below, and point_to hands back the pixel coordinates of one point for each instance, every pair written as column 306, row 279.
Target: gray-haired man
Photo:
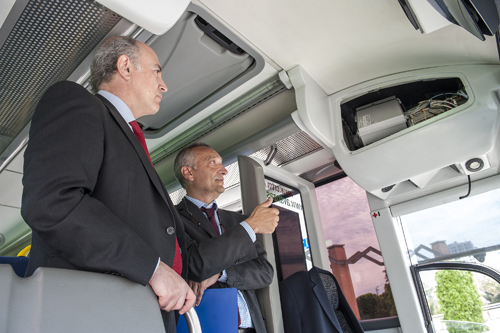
column 91, row 194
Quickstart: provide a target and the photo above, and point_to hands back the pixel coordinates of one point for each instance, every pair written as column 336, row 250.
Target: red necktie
column 211, row 217
column 177, row 266
column 140, row 136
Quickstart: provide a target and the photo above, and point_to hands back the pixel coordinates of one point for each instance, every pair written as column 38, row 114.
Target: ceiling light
column 474, row 164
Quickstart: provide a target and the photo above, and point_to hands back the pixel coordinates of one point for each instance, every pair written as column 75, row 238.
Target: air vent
column 47, row 43
column 289, row 149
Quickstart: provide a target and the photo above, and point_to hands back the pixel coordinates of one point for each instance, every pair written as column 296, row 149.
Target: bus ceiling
column 406, row 107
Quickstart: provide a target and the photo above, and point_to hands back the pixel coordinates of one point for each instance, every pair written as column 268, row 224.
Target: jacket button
column 170, row 230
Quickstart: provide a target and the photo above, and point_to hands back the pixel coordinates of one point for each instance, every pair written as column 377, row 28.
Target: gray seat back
column 59, row 300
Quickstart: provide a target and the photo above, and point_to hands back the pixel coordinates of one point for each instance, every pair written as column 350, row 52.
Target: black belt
column 246, row 330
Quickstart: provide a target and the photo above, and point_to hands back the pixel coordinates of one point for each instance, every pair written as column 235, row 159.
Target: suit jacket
column 245, row 262
column 91, row 195
column 306, row 307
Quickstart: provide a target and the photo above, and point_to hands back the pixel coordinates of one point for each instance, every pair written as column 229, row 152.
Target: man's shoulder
column 299, row 277
column 63, row 96
column 68, row 87
column 68, row 91
column 181, row 207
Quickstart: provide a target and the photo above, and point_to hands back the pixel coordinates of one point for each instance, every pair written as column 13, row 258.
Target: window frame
column 461, row 266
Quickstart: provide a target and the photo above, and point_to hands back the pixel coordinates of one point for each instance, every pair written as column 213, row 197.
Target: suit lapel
column 226, row 220
column 155, row 179
column 186, row 207
column 320, row 292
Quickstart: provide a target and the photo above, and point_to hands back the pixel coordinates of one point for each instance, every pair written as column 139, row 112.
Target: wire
column 455, row 93
column 468, row 192
column 430, row 108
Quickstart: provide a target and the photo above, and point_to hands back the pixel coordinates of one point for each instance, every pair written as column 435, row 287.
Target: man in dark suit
column 313, row 302
column 222, row 248
column 91, row 194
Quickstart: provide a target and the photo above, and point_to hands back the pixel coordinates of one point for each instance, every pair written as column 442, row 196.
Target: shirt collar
column 120, row 105
column 200, row 204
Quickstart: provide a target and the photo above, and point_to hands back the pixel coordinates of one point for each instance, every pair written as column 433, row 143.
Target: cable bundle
column 430, row 108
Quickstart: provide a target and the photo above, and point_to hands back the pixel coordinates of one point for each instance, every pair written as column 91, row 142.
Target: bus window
column 463, row 230
column 454, row 250
column 462, row 301
column 353, row 249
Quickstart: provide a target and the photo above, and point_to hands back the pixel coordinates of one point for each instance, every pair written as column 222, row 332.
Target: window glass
column 465, row 230
column 353, row 249
column 462, row 301
column 291, row 242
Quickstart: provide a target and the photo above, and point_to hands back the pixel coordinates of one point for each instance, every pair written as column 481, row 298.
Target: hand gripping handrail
column 192, row 321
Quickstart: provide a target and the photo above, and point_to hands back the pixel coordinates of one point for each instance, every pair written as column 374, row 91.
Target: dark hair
column 186, row 157
column 103, row 65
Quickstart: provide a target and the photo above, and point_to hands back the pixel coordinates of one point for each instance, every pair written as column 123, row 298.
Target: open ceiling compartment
column 201, row 61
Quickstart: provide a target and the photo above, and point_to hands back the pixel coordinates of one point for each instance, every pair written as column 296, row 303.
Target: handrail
column 192, row 321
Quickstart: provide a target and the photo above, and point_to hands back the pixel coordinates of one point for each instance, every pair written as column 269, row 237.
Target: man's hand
column 264, row 219
column 172, row 291
column 200, row 287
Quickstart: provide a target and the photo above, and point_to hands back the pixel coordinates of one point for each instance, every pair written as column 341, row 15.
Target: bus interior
column 373, row 125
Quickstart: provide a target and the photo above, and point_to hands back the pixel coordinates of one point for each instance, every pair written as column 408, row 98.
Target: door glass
column 290, row 238
column 353, row 249
column 462, row 301
column 464, row 230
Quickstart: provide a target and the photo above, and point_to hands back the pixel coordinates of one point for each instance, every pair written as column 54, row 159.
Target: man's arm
column 250, row 275
column 213, row 255
column 253, row 274
column 210, row 256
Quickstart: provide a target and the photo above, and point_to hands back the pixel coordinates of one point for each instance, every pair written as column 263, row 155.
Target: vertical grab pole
column 192, row 321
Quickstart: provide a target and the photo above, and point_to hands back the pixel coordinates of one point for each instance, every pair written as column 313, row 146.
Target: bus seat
column 19, row 264
column 211, row 318
column 59, row 300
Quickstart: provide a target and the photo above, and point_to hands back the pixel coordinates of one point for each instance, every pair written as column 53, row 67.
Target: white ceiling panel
column 343, row 43
column 16, row 164
column 11, row 189
column 9, row 217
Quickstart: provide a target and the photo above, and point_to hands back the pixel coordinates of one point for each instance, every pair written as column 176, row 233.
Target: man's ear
column 187, row 173
column 123, row 66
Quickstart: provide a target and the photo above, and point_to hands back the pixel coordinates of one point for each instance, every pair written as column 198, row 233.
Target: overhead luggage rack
column 201, row 62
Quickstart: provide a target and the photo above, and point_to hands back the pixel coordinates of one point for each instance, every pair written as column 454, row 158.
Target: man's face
column 147, row 82
column 208, row 173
